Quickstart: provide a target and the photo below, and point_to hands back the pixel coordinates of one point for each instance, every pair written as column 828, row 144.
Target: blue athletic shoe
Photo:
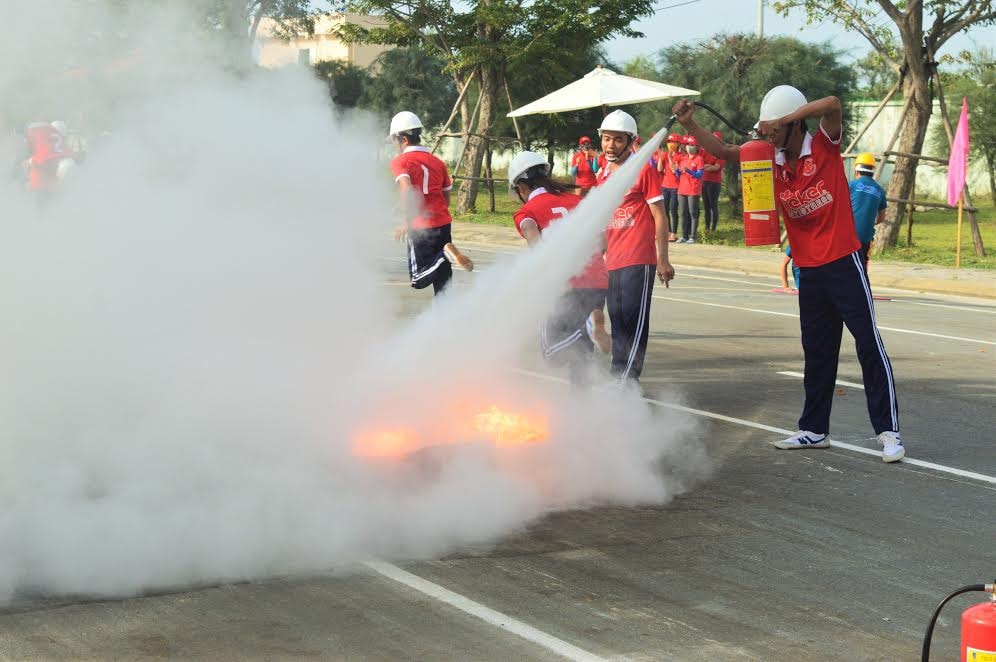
column 804, row 439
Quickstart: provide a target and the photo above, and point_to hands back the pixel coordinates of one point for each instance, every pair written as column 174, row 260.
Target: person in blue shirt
column 786, row 262
column 867, row 202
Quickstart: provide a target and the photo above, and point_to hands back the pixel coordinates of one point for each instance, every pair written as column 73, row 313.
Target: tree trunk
column 992, row 177
column 477, row 147
column 917, row 89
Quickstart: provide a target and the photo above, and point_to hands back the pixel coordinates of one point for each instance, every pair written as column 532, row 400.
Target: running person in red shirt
column 49, row 155
column 814, row 200
column 565, row 338
column 584, row 165
column 636, row 249
column 712, row 183
column 425, row 198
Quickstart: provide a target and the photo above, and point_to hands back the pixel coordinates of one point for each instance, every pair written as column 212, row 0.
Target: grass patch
column 934, row 232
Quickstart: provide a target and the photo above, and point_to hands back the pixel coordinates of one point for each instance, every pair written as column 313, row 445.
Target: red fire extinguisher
column 757, row 182
column 978, row 627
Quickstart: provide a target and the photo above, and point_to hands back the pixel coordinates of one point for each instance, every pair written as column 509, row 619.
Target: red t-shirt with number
column 815, row 203
column 712, row 176
column 631, row 235
column 586, row 176
column 546, row 208
column 430, row 178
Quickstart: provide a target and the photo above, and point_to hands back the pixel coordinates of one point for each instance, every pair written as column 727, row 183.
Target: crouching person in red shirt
column 567, row 338
column 814, row 200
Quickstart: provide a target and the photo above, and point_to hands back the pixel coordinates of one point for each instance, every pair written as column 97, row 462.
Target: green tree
column 875, row 76
column 409, row 79
column 923, row 27
column 733, row 73
column 483, row 39
column 977, row 83
column 346, row 81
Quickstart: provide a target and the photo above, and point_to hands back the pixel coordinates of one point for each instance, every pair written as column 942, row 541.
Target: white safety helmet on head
column 404, row 122
column 522, row 163
column 60, row 126
column 619, row 120
column 781, row 101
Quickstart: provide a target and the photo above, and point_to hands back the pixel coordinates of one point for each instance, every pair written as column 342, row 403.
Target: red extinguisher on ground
column 978, row 627
column 757, row 182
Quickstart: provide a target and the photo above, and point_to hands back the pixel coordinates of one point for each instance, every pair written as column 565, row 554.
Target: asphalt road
column 781, row 555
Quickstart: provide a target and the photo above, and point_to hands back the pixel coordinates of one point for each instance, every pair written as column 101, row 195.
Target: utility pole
column 760, row 19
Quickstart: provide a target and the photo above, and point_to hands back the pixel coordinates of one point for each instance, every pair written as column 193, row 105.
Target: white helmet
column 60, row 126
column 521, row 164
column 65, row 167
column 619, row 120
column 404, row 122
column 781, row 101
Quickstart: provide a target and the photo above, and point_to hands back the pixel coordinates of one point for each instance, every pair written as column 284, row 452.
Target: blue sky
column 700, row 19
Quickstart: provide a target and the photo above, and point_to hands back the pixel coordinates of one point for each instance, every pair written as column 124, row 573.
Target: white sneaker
column 803, row 439
column 892, row 447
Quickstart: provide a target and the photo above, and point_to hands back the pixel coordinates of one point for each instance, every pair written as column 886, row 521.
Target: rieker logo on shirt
column 803, row 203
column 622, row 218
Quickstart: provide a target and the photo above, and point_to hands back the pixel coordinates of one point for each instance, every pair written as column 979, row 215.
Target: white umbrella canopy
column 601, row 87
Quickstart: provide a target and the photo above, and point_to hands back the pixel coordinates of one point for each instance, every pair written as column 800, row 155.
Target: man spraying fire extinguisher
column 811, row 191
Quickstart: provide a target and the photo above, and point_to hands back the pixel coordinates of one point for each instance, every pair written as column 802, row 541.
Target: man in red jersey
column 584, row 165
column 566, row 338
column 425, row 199
column 712, row 183
column 636, row 249
column 814, row 199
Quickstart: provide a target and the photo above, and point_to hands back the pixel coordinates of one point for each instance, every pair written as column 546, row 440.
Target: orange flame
column 509, row 429
column 503, row 428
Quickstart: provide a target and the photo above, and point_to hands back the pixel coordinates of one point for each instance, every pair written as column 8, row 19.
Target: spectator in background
column 584, row 165
column 667, row 166
column 786, row 262
column 689, row 190
column 712, row 183
column 867, row 202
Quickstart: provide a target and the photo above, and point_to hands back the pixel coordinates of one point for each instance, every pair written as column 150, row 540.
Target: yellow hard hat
column 865, row 159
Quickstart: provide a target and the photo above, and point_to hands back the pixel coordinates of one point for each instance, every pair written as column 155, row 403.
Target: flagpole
column 961, row 199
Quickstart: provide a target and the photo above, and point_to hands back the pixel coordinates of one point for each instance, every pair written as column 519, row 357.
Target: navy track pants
column 630, row 291
column 831, row 296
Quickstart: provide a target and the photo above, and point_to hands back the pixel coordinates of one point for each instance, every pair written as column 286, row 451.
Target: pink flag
column 958, row 162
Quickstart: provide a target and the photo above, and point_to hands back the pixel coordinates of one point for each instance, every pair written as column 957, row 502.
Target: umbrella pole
column 605, row 110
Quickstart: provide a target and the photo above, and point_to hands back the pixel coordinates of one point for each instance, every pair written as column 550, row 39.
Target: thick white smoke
column 196, row 330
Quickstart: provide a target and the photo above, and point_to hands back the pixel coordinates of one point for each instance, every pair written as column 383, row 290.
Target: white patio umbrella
column 601, row 87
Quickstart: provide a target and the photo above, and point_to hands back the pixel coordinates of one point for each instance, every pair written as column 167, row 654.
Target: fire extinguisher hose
column 985, row 588
column 671, row 120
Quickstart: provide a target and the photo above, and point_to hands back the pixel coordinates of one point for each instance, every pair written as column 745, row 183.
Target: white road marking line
column 486, row 614
column 989, row 311
column 789, row 373
column 774, row 312
column 770, row 428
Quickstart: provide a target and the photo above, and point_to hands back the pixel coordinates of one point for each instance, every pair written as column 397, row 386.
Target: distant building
column 325, row 44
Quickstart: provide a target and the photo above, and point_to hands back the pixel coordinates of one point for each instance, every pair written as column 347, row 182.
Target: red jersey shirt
column 546, row 208
column 669, row 178
column 709, row 159
column 586, row 176
column 46, row 144
column 631, row 235
column 688, row 185
column 429, row 177
column 815, row 203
